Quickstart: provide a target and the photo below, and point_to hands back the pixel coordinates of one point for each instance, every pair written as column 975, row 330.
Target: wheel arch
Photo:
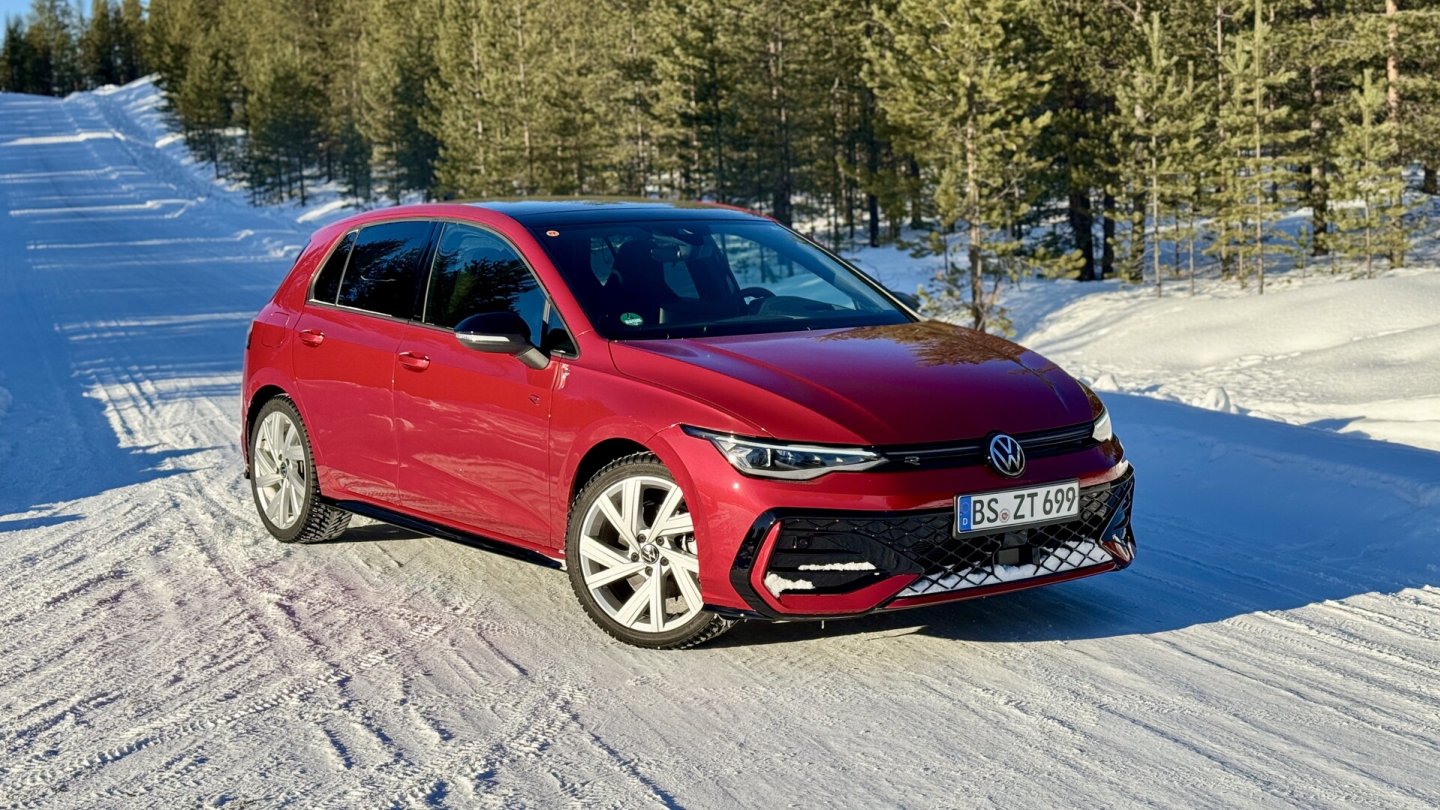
column 262, row 395
column 595, row 459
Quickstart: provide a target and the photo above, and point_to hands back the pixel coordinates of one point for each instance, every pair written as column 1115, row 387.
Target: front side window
column 476, row 272
column 384, row 268
column 688, row 278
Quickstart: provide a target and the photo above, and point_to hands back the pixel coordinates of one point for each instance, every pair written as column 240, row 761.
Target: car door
column 474, row 434
column 345, row 356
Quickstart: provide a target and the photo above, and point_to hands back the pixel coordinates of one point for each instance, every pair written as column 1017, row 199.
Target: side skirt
column 447, row 533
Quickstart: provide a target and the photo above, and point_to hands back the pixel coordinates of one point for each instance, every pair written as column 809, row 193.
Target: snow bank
column 1353, row 356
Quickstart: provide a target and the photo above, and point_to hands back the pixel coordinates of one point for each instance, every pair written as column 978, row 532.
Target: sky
column 13, row 8
column 19, row 8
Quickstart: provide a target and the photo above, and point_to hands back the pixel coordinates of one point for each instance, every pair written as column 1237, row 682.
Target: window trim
column 439, row 234
column 429, row 256
column 320, row 268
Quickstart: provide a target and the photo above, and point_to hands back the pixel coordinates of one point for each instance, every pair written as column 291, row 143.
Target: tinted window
column 384, row 268
column 688, row 278
column 476, row 272
column 327, row 285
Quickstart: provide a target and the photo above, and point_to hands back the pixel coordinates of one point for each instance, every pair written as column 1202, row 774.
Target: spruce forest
column 1142, row 139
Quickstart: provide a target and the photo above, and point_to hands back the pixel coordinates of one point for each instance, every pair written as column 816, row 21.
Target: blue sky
column 11, row 8
column 19, row 8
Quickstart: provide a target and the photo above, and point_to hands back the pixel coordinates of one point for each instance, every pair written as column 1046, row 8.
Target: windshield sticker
column 632, row 319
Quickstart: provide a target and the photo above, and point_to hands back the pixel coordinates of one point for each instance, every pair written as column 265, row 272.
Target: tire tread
column 714, row 627
column 322, row 522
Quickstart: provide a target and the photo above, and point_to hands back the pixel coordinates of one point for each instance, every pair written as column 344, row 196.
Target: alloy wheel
column 281, row 475
column 637, row 555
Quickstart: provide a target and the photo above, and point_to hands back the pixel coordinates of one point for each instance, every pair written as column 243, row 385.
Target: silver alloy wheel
column 281, row 475
column 637, row 555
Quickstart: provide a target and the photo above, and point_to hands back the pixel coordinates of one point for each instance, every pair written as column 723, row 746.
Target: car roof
column 530, row 212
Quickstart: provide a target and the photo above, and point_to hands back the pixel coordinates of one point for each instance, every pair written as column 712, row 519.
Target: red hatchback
column 703, row 415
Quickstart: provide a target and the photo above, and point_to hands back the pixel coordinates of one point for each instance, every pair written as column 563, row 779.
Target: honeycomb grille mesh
column 923, row 542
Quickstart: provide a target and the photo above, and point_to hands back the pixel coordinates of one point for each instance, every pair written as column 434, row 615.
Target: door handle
column 312, row 337
column 414, row 362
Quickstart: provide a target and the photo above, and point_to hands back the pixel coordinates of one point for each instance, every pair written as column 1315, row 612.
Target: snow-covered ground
column 1276, row 644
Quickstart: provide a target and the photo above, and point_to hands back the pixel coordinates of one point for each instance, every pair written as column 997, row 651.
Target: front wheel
column 282, row 479
column 632, row 557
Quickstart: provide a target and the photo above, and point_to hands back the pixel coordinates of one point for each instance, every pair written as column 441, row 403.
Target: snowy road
column 1277, row 642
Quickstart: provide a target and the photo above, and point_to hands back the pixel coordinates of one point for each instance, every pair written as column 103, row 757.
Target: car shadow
column 374, row 532
column 1234, row 515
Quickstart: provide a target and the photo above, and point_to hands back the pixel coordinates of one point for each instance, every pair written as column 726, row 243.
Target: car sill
column 446, row 533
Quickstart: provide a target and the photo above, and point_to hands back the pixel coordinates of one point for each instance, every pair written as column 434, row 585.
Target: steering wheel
column 756, row 292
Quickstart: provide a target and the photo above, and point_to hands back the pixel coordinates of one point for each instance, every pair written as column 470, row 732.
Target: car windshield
column 687, row 278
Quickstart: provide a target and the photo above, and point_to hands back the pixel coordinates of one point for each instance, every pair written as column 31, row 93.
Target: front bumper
column 809, row 563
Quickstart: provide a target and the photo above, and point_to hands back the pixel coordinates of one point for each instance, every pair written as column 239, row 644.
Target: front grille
column 1037, row 444
column 843, row 553
column 975, row 561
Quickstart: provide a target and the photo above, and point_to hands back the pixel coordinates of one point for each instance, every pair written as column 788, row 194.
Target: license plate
column 1017, row 507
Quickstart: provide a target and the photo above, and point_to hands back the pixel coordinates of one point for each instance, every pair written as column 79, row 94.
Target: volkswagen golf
column 701, row 415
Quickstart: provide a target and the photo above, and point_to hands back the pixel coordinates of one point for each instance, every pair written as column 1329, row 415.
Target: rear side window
column 384, row 268
column 476, row 272
column 327, row 284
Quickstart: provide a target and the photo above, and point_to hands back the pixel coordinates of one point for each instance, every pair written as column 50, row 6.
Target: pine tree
column 99, row 45
column 393, row 100
column 1257, row 180
column 959, row 73
column 129, row 41
column 697, row 109
column 630, row 89
column 172, row 29
column 51, row 36
column 16, row 60
column 1166, row 137
column 1371, row 186
column 205, row 98
column 345, row 152
column 1085, row 45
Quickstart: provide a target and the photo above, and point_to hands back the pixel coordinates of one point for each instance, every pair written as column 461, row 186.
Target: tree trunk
column 1155, row 217
column 1082, row 227
column 1107, row 234
column 917, row 218
column 1319, row 182
column 872, row 162
column 1392, row 101
column 1078, row 210
column 972, row 247
column 1222, row 235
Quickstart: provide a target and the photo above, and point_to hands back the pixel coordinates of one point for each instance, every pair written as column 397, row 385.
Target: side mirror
column 908, row 299
column 500, row 333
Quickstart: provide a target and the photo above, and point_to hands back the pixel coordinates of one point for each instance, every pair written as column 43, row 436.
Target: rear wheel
column 632, row 558
column 282, row 479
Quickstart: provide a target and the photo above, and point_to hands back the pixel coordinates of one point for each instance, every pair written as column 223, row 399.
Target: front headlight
column 1102, row 431
column 772, row 459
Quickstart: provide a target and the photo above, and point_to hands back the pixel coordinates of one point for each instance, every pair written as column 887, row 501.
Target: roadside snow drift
column 1276, row 643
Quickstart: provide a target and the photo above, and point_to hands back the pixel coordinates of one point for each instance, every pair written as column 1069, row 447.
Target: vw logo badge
column 1006, row 455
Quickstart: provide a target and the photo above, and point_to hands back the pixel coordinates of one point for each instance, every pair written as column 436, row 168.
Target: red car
column 703, row 415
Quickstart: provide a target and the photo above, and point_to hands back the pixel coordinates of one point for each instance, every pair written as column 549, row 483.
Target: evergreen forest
column 1139, row 139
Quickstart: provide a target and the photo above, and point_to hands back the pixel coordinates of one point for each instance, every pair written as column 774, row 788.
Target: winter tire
column 630, row 550
column 282, row 478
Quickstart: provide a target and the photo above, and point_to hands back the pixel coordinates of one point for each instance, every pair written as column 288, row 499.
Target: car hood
column 901, row 384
